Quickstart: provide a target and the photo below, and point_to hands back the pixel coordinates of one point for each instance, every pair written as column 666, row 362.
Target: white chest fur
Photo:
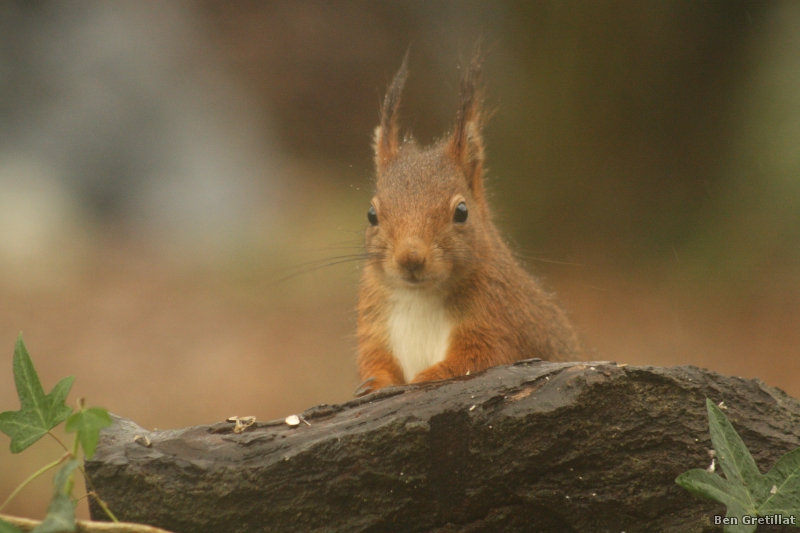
column 419, row 330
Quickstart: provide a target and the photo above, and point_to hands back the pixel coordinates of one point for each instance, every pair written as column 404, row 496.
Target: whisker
column 542, row 260
column 343, row 245
column 311, row 268
column 317, row 262
column 465, row 254
column 528, row 258
column 360, row 232
column 489, row 260
column 527, row 252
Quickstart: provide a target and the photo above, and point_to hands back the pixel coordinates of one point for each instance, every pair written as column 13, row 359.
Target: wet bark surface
column 535, row 446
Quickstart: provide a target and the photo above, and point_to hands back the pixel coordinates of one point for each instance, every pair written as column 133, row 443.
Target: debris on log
column 534, row 446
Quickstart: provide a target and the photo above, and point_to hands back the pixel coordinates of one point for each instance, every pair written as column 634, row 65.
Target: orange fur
column 495, row 312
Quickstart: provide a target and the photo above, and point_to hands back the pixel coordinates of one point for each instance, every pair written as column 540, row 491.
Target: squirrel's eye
column 460, row 215
column 372, row 216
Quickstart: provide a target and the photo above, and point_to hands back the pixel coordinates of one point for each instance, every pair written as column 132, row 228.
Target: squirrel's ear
column 386, row 139
column 466, row 143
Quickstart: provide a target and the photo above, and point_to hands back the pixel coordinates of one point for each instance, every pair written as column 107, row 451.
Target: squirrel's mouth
column 417, row 280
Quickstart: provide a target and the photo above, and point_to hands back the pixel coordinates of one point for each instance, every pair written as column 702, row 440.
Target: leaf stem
column 71, row 482
column 75, row 444
column 33, row 476
column 59, row 441
column 93, row 493
column 103, row 505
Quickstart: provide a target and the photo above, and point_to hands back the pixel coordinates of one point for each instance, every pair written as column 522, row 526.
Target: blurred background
column 172, row 175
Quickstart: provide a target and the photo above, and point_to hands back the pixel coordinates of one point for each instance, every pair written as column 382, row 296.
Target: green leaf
column 784, row 479
column 61, row 512
column 88, row 424
column 732, row 454
column 5, row 527
column 60, row 516
column 39, row 412
column 714, row 487
column 744, row 491
column 63, row 475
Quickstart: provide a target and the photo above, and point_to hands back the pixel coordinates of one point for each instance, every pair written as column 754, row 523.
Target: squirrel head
column 429, row 223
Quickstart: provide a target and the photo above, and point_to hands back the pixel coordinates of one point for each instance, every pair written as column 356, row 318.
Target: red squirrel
column 441, row 294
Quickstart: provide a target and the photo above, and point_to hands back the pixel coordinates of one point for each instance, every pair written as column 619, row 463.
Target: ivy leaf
column 61, row 512
column 39, row 412
column 744, row 490
column 88, row 424
column 60, row 516
column 783, row 485
column 63, row 475
column 733, row 455
column 717, row 488
column 5, row 527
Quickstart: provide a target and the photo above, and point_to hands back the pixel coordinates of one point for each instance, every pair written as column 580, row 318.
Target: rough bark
column 536, row 446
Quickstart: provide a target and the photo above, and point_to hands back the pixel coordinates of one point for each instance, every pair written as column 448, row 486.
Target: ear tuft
column 466, row 144
column 386, row 134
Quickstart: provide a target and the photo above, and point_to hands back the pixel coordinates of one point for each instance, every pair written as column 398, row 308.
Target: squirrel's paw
column 367, row 386
column 373, row 383
column 435, row 373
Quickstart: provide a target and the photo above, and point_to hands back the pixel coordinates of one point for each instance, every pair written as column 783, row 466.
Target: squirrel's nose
column 410, row 255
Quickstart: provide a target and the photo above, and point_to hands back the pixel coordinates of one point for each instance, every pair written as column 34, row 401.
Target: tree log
column 534, row 446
